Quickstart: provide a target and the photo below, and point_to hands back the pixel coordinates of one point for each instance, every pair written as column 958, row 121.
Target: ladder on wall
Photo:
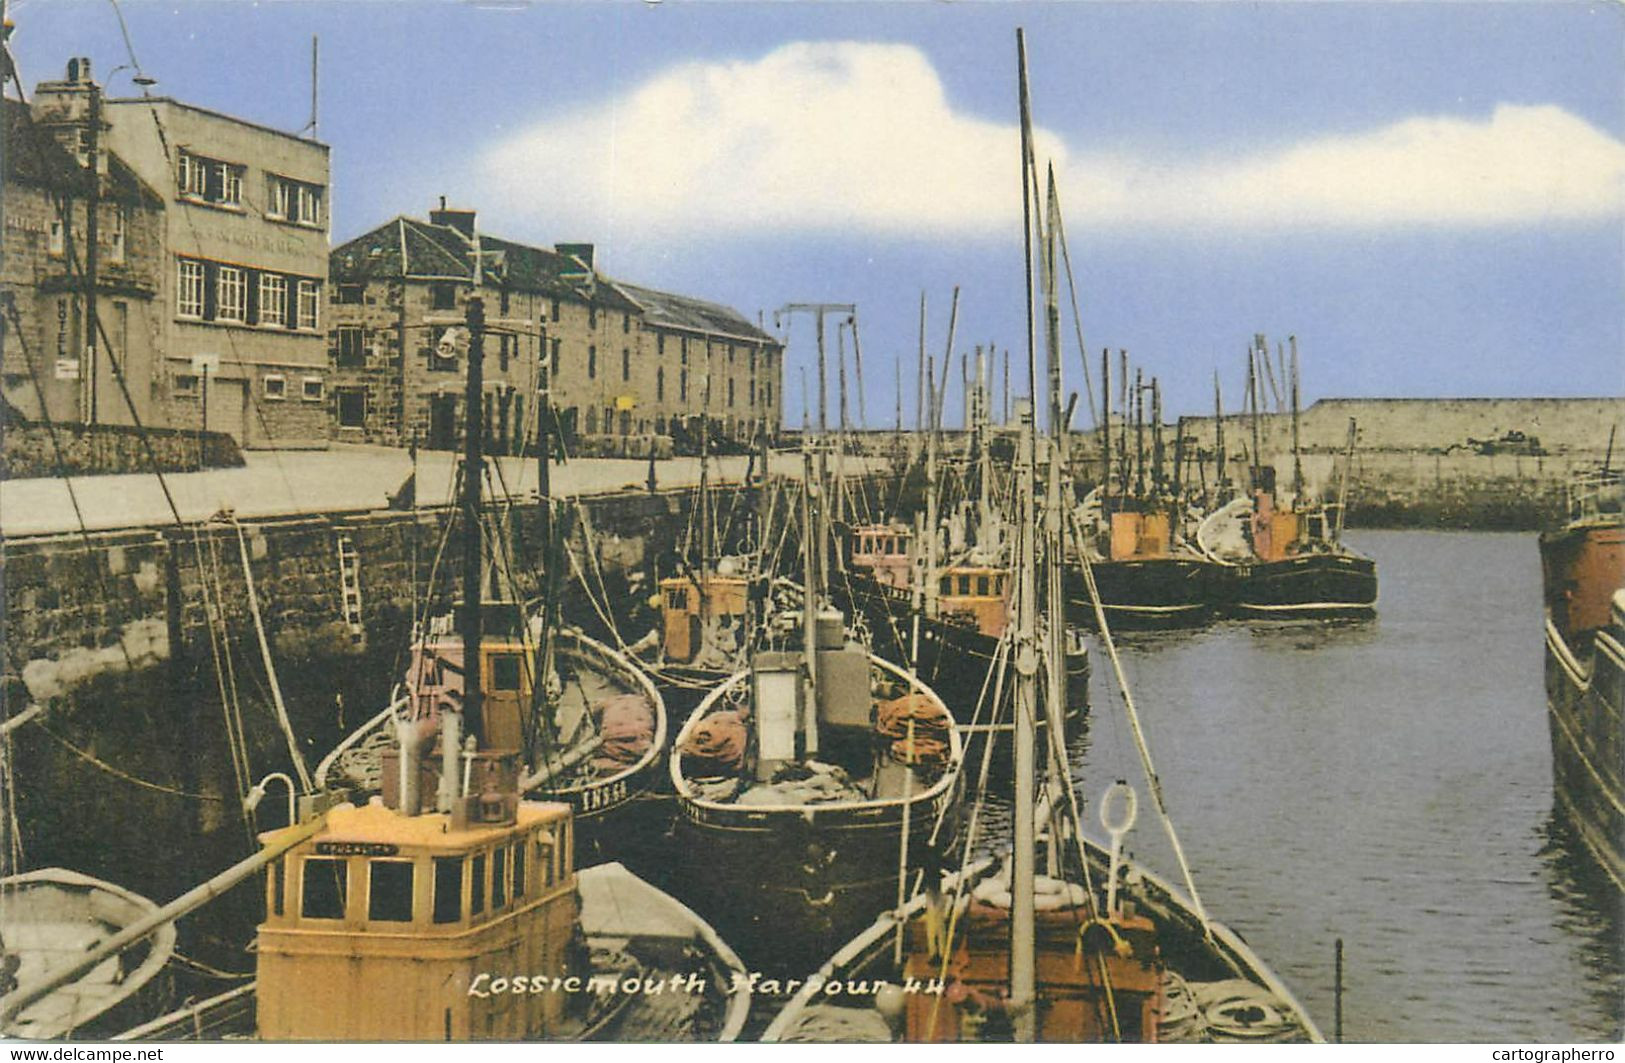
column 350, row 587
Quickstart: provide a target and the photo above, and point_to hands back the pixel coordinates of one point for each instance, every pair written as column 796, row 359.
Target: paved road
column 342, row 478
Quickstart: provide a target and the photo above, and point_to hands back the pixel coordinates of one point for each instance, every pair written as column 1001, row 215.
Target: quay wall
column 29, row 449
column 141, row 646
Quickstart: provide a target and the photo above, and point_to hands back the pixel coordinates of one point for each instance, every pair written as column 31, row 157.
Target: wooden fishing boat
column 797, row 797
column 1583, row 575
column 1147, row 574
column 52, row 916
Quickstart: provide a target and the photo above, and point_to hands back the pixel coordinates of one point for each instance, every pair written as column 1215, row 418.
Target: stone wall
column 27, row 450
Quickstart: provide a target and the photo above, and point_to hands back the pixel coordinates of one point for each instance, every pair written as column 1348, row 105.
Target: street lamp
column 254, row 796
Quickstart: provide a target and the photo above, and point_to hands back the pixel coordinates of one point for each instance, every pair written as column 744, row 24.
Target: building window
column 193, row 179
column 592, row 316
column 276, row 386
column 209, row 181
column 311, row 389
column 350, row 294
column 443, row 296
column 310, row 205
column 352, row 404
column 58, row 239
column 682, row 385
column 504, row 349
column 752, row 391
column 309, row 296
column 273, row 299
column 660, row 344
column 189, row 291
column 295, row 201
column 626, row 364
column 684, row 349
column 660, row 383
column 230, row 179
column 592, row 363
column 626, row 322
column 186, row 384
column 730, row 391
column 115, row 242
column 626, row 422
column 592, row 420
column 558, row 354
column 389, row 891
column 503, row 302
column 326, row 884
column 554, row 314
column 231, row 294
column 753, row 359
column 350, row 347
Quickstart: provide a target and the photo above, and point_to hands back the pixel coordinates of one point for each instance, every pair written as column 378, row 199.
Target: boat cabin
column 434, row 676
column 883, row 551
column 1099, row 980
column 379, row 925
column 980, row 592
column 697, row 612
column 1139, row 536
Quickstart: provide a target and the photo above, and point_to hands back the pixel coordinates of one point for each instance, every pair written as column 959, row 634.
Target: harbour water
column 1387, row 782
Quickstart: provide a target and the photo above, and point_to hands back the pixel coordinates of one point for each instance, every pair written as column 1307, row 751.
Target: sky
column 1429, row 196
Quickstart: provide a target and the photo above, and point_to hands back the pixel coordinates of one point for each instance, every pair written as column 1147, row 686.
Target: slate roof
column 666, row 310
column 408, row 247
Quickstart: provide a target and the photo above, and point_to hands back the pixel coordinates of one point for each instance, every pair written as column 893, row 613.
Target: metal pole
column 203, row 429
column 473, row 533
column 1337, row 996
column 92, row 230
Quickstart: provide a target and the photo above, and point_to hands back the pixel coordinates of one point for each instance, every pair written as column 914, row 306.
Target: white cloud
column 861, row 137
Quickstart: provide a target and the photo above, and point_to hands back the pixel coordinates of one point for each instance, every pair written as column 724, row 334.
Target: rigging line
column 239, row 770
column 1077, row 319
column 1152, row 782
column 120, row 774
column 270, row 665
column 236, row 701
column 62, row 468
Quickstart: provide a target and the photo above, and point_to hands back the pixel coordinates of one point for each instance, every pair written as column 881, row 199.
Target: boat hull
column 1312, row 585
column 1151, row 593
column 802, row 878
column 1585, row 686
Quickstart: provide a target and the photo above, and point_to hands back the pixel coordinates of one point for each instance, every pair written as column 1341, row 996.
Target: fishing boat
column 1134, row 526
column 1091, row 948
column 1583, row 575
column 50, row 917
column 802, row 779
column 1285, row 549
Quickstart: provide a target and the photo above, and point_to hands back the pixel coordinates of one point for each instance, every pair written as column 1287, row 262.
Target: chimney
column 62, row 109
column 79, row 71
column 456, row 217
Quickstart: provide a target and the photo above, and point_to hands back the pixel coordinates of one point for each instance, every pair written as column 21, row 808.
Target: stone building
column 241, row 256
column 44, row 368
column 628, row 363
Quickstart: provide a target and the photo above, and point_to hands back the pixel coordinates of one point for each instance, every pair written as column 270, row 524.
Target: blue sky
column 1429, row 195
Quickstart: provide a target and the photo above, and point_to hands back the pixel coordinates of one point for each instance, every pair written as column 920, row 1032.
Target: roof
column 33, row 157
column 221, row 115
column 666, row 310
column 406, row 247
column 373, row 823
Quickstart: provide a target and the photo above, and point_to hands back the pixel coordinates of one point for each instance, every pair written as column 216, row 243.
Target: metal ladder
column 350, row 586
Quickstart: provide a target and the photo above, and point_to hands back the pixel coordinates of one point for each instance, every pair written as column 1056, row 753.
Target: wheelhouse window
column 326, row 887
column 278, row 886
column 519, row 883
column 476, row 892
column 505, row 671
column 499, row 877
column 389, row 891
column 448, row 889
column 544, row 860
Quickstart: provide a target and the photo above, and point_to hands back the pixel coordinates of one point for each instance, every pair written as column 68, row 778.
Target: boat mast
column 1343, row 486
column 1219, row 479
column 1297, row 456
column 473, row 534
column 1023, row 952
column 1105, row 427
column 1252, row 401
